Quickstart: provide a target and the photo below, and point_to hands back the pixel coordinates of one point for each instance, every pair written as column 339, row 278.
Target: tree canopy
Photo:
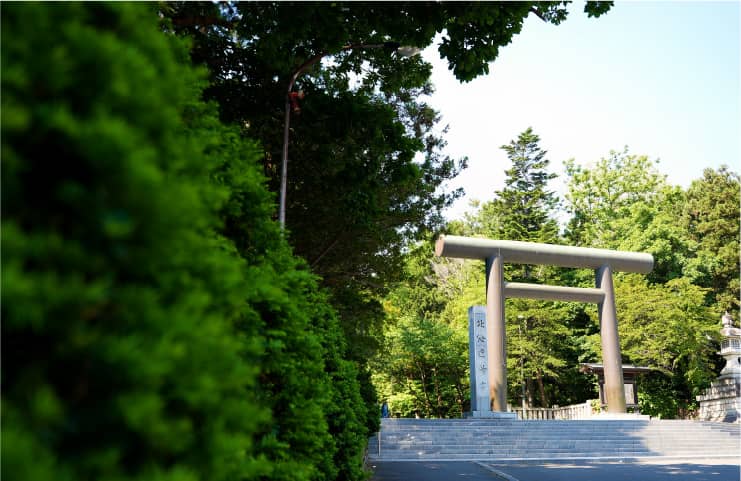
column 367, row 171
column 711, row 219
column 155, row 320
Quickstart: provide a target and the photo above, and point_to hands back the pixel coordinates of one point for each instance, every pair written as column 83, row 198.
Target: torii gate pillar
column 611, row 359
column 496, row 333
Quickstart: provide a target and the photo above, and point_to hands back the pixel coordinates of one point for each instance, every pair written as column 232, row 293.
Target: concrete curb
column 628, row 459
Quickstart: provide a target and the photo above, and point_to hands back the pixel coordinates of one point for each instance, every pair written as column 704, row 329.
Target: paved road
column 616, row 471
column 431, row 471
column 708, row 470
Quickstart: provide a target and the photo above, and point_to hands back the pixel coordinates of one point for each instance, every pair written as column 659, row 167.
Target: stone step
column 519, row 438
column 605, row 450
column 566, row 430
column 550, row 434
column 541, row 441
column 510, row 452
column 510, row 449
column 511, row 456
column 524, row 441
column 512, row 439
column 533, row 446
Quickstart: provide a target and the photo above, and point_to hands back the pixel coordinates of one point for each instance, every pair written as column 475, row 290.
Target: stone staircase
column 495, row 439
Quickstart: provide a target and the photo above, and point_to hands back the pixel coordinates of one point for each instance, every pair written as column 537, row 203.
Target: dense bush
column 155, row 323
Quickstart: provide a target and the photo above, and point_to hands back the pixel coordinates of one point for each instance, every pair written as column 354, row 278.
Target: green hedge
column 155, row 325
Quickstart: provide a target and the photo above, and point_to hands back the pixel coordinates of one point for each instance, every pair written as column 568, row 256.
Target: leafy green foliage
column 365, row 160
column 155, row 322
column 366, row 174
column 421, row 368
column 121, row 357
column 524, row 209
column 671, row 324
column 657, row 396
column 667, row 327
column 623, row 203
column 608, row 193
column 712, row 222
column 475, row 32
column 425, row 357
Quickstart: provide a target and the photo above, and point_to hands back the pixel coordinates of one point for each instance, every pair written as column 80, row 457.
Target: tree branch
column 537, row 12
column 325, row 251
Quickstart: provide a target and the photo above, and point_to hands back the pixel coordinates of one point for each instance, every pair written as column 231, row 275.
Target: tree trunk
column 541, row 389
column 423, row 379
column 459, row 397
column 437, row 393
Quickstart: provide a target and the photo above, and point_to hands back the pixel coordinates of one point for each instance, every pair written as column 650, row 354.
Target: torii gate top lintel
column 518, row 252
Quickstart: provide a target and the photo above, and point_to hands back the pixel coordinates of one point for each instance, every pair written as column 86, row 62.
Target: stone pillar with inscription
column 478, row 355
column 478, row 360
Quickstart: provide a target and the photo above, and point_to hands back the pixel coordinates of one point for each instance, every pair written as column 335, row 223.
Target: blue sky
column 659, row 77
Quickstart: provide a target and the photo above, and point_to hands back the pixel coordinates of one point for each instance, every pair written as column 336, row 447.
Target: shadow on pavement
column 724, row 470
column 429, row 471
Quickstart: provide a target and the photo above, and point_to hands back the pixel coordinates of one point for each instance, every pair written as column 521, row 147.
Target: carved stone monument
column 478, row 356
column 722, row 400
column 478, row 360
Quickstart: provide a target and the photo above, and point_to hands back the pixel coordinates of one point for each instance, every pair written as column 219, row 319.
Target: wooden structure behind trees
column 630, row 374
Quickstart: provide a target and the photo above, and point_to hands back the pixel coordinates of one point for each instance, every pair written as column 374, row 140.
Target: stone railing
column 575, row 411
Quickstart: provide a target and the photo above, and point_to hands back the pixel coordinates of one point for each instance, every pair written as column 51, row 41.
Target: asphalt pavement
column 430, row 471
column 722, row 469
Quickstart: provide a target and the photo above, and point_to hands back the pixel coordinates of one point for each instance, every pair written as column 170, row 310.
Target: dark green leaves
column 596, row 9
column 155, row 322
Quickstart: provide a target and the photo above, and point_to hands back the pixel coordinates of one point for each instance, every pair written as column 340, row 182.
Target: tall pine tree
column 525, row 201
column 540, row 346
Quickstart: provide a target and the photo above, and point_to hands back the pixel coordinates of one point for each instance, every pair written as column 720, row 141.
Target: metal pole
column 286, row 122
column 284, row 160
column 611, row 359
column 496, row 333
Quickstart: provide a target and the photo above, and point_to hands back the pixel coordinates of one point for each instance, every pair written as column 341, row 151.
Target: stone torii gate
column 496, row 252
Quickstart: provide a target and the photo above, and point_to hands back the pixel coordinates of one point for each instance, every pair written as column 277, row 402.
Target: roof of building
column 599, row 368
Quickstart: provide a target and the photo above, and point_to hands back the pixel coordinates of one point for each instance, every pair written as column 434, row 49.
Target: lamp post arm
column 353, row 46
column 286, row 124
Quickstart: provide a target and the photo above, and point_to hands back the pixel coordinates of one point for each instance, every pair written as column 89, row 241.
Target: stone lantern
column 722, row 400
column 730, row 348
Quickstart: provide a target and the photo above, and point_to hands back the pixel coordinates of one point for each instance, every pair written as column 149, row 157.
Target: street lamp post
column 391, row 46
